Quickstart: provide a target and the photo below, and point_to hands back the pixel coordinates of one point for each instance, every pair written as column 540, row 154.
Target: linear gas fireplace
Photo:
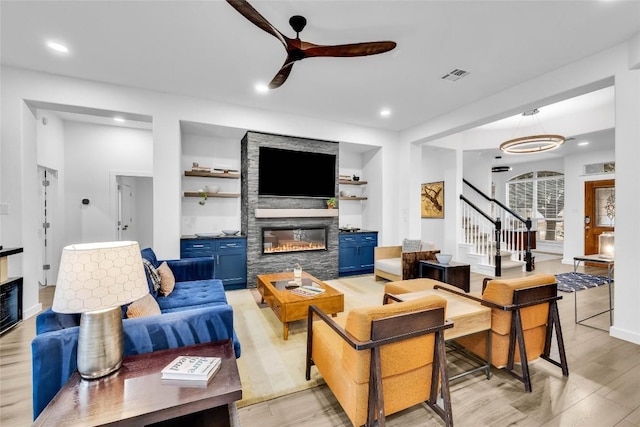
column 282, row 240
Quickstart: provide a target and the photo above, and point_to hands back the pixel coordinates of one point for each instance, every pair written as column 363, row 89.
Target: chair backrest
column 396, row 357
column 501, row 291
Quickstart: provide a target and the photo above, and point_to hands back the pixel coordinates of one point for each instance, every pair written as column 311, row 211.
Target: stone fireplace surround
column 283, row 212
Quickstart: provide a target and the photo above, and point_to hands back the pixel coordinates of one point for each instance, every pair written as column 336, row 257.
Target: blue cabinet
column 229, row 254
column 355, row 254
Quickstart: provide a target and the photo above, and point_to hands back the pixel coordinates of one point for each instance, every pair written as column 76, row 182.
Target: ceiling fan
column 298, row 49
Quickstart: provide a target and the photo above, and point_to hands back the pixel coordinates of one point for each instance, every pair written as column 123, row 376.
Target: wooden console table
column 454, row 273
column 135, row 395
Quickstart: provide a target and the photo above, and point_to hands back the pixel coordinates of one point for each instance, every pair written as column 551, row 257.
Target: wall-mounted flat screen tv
column 290, row 173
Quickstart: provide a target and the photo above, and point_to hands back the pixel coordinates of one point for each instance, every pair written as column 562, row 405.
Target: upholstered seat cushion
column 410, row 285
column 195, row 293
column 406, row 366
column 390, row 265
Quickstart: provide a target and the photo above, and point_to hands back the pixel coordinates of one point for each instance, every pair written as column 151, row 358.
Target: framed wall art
column 432, row 203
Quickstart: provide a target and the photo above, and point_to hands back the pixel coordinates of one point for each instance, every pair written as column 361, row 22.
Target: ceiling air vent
column 455, row 74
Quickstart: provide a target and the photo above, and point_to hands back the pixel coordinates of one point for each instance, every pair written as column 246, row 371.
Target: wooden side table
column 454, row 273
column 135, row 395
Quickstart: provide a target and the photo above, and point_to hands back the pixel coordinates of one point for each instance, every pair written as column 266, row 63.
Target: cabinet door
column 348, row 254
column 367, row 244
column 231, row 263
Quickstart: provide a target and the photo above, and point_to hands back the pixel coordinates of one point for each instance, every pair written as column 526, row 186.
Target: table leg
column 576, row 263
column 609, row 268
column 285, row 330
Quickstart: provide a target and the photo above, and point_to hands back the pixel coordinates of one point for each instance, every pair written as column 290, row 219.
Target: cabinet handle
column 197, row 246
column 217, row 259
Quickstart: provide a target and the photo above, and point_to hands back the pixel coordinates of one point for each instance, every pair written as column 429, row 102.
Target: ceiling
column 206, row 49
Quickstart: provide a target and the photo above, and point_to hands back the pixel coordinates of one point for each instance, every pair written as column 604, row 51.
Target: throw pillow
column 153, row 274
column 145, row 306
column 409, row 245
column 167, row 279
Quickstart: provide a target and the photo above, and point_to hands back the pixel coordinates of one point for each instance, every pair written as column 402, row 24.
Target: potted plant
column 202, row 193
column 331, row 203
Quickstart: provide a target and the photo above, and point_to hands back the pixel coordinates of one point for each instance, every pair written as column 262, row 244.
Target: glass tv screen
column 290, row 173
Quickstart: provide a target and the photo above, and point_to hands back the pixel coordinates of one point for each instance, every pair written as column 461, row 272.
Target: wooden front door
column 599, row 211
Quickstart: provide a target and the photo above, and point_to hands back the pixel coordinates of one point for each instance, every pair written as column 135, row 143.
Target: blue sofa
column 196, row 311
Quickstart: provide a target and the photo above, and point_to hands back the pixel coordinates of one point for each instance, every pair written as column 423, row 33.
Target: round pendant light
column 536, row 143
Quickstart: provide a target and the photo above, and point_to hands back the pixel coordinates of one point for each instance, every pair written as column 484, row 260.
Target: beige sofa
column 391, row 263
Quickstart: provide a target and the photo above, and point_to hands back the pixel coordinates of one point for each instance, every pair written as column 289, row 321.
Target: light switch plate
column 4, row 208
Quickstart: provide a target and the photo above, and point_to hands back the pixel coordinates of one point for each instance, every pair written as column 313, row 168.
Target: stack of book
column 307, row 291
column 191, row 370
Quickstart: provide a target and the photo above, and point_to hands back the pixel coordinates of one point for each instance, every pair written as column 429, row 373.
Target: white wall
column 92, row 154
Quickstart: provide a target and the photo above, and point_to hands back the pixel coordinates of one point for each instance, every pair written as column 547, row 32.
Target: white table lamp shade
column 95, row 276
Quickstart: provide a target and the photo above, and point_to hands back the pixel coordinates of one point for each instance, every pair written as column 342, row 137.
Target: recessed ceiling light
column 583, row 143
column 385, row 112
column 261, row 88
column 118, row 119
column 58, row 47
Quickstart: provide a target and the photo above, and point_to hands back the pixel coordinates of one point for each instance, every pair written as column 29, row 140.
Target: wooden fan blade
column 252, row 15
column 282, row 75
column 355, row 49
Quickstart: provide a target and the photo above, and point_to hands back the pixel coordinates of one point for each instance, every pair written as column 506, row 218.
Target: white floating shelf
column 295, row 213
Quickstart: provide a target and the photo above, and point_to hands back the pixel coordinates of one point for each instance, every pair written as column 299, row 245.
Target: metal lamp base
column 100, row 343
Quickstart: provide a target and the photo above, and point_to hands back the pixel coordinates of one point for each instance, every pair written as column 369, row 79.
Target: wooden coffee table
column 290, row 307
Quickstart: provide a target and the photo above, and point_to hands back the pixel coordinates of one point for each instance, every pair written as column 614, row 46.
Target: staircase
column 490, row 245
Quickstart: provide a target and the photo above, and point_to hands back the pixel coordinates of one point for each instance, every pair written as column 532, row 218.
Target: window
column 539, row 196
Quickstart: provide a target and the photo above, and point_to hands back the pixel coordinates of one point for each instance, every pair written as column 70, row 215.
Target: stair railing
column 478, row 227
column 512, row 232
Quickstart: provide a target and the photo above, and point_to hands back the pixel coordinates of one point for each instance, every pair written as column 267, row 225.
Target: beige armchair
column 391, row 263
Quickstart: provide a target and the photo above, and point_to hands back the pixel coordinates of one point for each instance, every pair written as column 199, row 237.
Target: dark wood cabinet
column 454, row 273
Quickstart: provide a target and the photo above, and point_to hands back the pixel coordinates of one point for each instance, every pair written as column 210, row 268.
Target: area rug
column 270, row 367
column 574, row 282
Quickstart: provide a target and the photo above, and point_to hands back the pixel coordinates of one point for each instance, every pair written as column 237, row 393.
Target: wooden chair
column 524, row 318
column 381, row 360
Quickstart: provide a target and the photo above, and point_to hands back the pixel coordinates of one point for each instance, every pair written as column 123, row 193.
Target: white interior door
column 125, row 210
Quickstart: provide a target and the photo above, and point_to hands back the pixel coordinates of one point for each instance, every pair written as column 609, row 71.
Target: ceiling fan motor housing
column 298, row 23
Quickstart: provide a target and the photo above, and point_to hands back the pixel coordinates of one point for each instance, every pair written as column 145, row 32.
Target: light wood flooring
column 603, row 388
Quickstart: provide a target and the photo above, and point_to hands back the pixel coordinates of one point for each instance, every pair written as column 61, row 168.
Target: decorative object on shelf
column 345, row 193
column 432, row 204
column 444, row 258
column 95, row 279
column 606, row 245
column 331, row 203
column 355, row 178
column 204, row 196
column 197, row 168
column 535, row 143
column 212, row 188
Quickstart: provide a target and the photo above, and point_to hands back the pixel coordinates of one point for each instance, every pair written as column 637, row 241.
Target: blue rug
column 574, row 282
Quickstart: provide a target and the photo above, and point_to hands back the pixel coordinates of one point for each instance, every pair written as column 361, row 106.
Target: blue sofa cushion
column 193, row 293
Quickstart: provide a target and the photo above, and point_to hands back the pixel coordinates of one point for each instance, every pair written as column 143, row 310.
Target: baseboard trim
column 631, row 336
